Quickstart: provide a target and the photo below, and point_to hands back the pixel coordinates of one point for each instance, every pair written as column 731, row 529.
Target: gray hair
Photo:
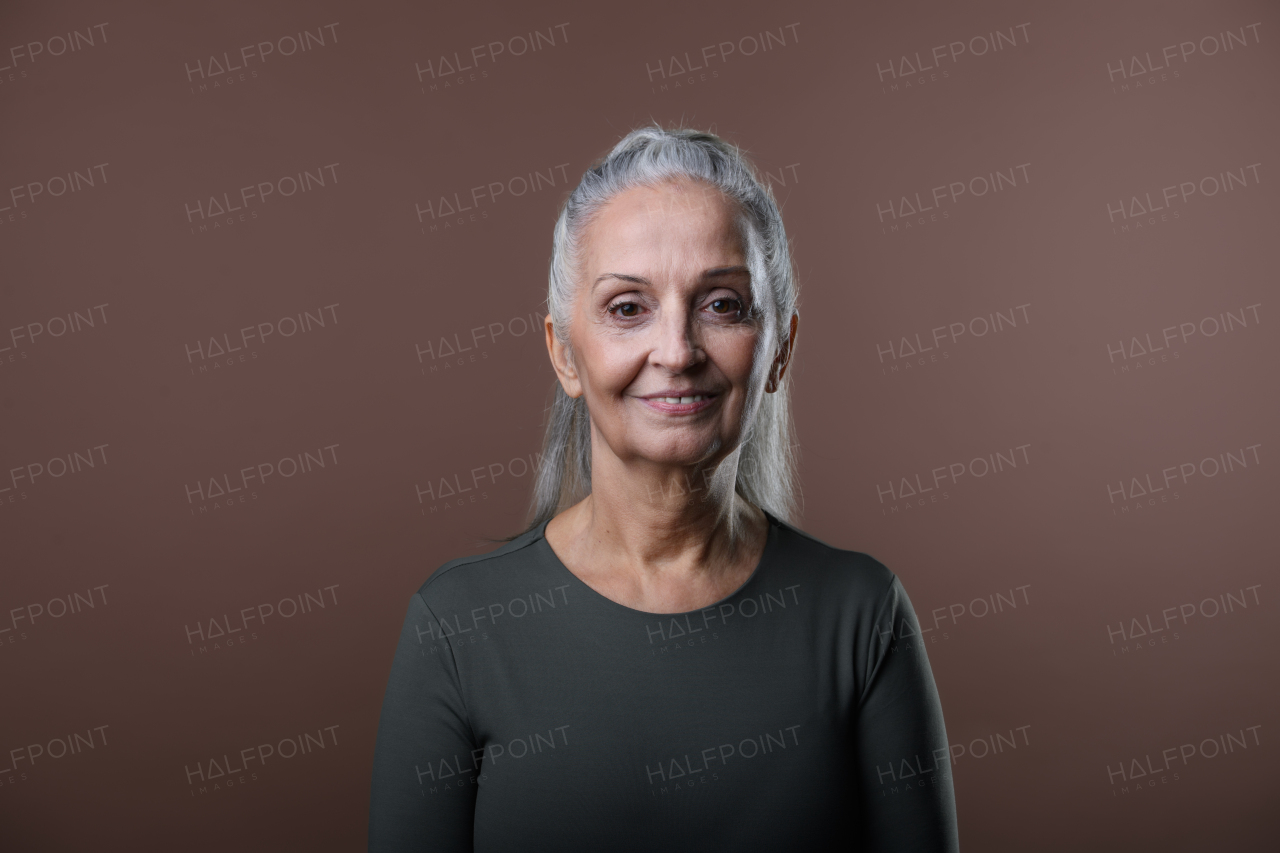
column 763, row 466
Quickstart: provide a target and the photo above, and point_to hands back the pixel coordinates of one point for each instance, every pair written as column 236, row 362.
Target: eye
column 726, row 305
column 625, row 309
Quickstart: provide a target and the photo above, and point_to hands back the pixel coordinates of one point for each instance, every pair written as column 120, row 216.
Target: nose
column 678, row 344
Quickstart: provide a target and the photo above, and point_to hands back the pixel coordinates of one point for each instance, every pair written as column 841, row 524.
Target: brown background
column 820, row 114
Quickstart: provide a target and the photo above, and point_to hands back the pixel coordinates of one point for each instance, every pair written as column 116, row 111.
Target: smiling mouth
column 698, row 398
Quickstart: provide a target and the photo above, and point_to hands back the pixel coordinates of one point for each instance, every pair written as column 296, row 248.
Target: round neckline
column 770, row 545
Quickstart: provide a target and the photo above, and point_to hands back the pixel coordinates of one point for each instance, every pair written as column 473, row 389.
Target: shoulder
column 854, row 571
column 503, row 561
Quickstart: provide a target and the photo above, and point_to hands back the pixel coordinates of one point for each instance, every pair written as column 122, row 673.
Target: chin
column 664, row 451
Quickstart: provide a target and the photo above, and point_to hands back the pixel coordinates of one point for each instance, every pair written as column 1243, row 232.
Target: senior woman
column 662, row 661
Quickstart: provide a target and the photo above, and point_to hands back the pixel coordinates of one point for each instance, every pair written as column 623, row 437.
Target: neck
column 657, row 515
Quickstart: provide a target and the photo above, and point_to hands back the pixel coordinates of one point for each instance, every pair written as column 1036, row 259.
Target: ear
column 562, row 361
column 783, row 358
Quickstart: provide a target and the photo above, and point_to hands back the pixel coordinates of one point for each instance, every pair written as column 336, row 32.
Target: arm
column 907, row 798
column 424, row 792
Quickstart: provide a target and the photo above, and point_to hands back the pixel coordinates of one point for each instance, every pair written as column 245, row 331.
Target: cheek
column 613, row 364
column 734, row 353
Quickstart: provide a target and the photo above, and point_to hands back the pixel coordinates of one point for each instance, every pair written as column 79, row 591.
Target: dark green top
column 526, row 711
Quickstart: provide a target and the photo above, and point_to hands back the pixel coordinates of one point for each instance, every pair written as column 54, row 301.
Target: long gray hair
column 762, row 468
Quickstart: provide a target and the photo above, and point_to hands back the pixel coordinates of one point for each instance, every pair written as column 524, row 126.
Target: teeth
column 696, row 399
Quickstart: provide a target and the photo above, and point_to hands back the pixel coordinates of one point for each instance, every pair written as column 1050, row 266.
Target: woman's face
column 662, row 348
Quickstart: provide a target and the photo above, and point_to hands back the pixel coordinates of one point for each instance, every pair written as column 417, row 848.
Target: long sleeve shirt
column 526, row 711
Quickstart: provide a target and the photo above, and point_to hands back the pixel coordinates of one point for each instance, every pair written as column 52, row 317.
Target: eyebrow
column 635, row 279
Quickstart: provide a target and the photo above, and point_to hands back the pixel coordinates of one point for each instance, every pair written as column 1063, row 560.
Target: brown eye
column 626, row 309
column 725, row 306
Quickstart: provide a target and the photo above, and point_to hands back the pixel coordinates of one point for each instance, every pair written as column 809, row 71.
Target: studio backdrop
column 271, row 351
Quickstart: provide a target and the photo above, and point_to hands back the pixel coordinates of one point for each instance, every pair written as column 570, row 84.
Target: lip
column 680, row 392
column 655, row 401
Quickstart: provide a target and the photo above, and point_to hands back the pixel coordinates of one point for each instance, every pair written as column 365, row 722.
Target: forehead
column 673, row 222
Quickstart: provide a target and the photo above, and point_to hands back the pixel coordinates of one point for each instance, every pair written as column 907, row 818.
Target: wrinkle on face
column 674, row 255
